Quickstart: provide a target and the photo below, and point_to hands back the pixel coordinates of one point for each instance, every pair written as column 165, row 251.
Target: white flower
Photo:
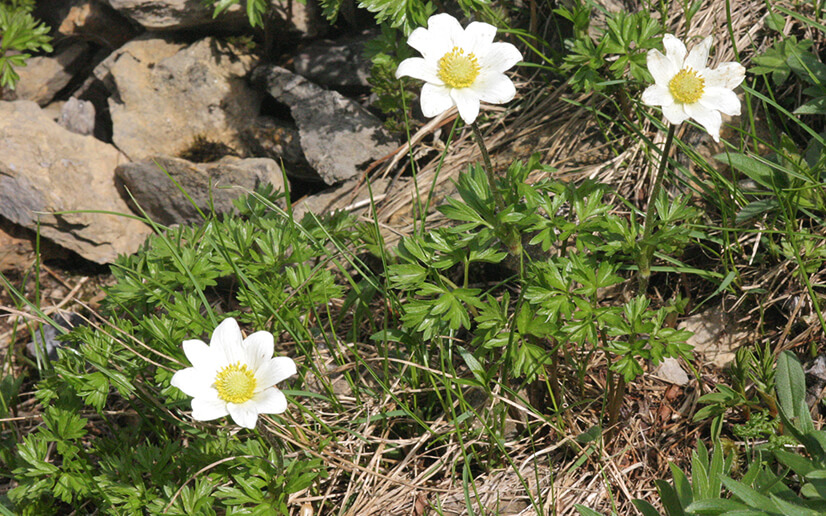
column 686, row 88
column 234, row 376
column 460, row 67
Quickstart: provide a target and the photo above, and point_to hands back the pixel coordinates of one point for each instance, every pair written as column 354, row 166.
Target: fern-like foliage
column 402, row 14
column 20, row 33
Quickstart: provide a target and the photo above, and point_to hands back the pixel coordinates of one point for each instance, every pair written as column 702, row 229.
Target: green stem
column 510, row 236
column 497, row 195
column 646, row 248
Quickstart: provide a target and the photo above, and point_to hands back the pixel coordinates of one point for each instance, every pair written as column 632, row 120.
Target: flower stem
column 480, row 141
column 646, row 248
column 510, row 236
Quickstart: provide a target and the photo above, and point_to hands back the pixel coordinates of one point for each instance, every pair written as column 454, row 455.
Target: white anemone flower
column 460, row 67
column 686, row 88
column 234, row 376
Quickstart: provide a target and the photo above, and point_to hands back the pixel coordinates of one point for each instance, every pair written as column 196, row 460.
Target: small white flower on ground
column 686, row 88
column 460, row 67
column 234, row 376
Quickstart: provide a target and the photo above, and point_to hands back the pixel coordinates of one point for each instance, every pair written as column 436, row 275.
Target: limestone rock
column 346, row 196
column 715, row 336
column 165, row 94
column 339, row 137
column 45, row 169
column 671, row 371
column 335, row 64
column 160, row 198
column 90, row 20
column 270, row 137
column 77, row 116
column 178, row 14
column 302, row 16
column 47, row 340
column 44, row 76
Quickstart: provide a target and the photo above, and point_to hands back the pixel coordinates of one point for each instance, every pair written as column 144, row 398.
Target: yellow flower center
column 686, row 87
column 457, row 69
column 235, row 383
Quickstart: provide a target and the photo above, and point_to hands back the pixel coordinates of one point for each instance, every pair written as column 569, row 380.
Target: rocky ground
column 138, row 93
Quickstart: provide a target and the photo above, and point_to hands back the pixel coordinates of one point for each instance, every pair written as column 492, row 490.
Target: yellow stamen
column 687, row 86
column 235, row 383
column 457, row 69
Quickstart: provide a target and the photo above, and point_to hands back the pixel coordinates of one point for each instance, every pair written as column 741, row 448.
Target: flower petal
column 727, row 75
column 274, row 371
column 445, row 32
column 710, row 119
column 499, row 57
column 662, row 68
column 675, row 113
column 478, row 37
column 467, row 101
column 192, row 381
column 245, row 414
column 226, row 339
column 495, row 88
column 674, row 50
column 270, row 401
column 432, row 45
column 721, row 99
column 435, row 99
column 258, row 348
column 207, row 409
column 200, row 355
column 657, row 95
column 698, row 57
column 418, row 68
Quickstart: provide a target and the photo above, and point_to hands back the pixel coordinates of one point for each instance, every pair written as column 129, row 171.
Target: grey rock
column 271, row 137
column 671, row 371
column 46, row 169
column 335, row 64
column 715, row 336
column 165, row 94
column 156, row 194
column 339, row 137
column 46, row 340
column 179, row 14
column 78, row 116
column 90, row 20
column 44, row 76
column 815, row 379
column 346, row 196
column 301, row 16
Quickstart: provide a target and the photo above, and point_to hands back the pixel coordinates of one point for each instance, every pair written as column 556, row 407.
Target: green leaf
column 645, row 508
column 791, row 391
column 815, row 106
column 775, row 22
column 721, row 506
column 682, row 487
column 406, row 275
column 473, row 364
column 750, row 496
column 670, row 499
column 756, row 169
column 756, row 209
column 797, row 463
column 584, row 511
column 788, row 508
column 403, row 14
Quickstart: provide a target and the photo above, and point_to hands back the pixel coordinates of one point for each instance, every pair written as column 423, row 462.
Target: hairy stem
column 646, row 248
column 510, row 237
